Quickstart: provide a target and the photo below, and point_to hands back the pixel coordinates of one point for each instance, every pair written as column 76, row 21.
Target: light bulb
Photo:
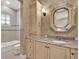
column 43, row 10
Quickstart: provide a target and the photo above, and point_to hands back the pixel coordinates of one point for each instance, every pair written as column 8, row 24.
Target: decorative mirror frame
column 59, row 29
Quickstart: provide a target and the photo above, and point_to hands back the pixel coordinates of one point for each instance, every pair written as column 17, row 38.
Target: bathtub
column 6, row 46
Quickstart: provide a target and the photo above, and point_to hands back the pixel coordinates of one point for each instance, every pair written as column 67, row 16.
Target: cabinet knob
column 72, row 53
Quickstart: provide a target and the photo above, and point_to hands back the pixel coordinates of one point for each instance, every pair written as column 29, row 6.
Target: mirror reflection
column 61, row 18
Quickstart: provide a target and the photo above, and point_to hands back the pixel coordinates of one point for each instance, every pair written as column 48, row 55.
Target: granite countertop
column 59, row 42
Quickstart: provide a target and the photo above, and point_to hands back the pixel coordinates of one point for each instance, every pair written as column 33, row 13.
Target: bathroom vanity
column 50, row 49
column 40, row 23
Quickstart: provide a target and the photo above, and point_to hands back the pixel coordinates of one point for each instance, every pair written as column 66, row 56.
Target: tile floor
column 11, row 55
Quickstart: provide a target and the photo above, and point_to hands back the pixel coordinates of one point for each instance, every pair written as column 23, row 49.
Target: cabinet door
column 41, row 50
column 74, row 54
column 30, row 49
column 57, row 52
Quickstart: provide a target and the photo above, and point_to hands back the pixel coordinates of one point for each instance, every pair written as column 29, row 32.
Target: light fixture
column 44, row 12
column 7, row 2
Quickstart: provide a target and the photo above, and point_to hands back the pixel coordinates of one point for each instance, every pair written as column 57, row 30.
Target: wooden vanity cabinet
column 30, row 49
column 36, row 50
column 47, row 51
column 74, row 54
column 57, row 52
column 41, row 50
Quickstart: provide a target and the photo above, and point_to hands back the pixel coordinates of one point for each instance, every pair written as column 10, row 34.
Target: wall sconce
column 44, row 12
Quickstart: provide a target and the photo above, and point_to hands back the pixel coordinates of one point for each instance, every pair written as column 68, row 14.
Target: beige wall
column 46, row 27
column 45, row 22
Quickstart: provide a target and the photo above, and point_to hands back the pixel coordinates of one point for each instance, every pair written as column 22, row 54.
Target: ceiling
column 51, row 4
column 13, row 4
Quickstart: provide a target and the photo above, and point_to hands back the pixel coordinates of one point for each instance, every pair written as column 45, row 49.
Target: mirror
column 60, row 20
